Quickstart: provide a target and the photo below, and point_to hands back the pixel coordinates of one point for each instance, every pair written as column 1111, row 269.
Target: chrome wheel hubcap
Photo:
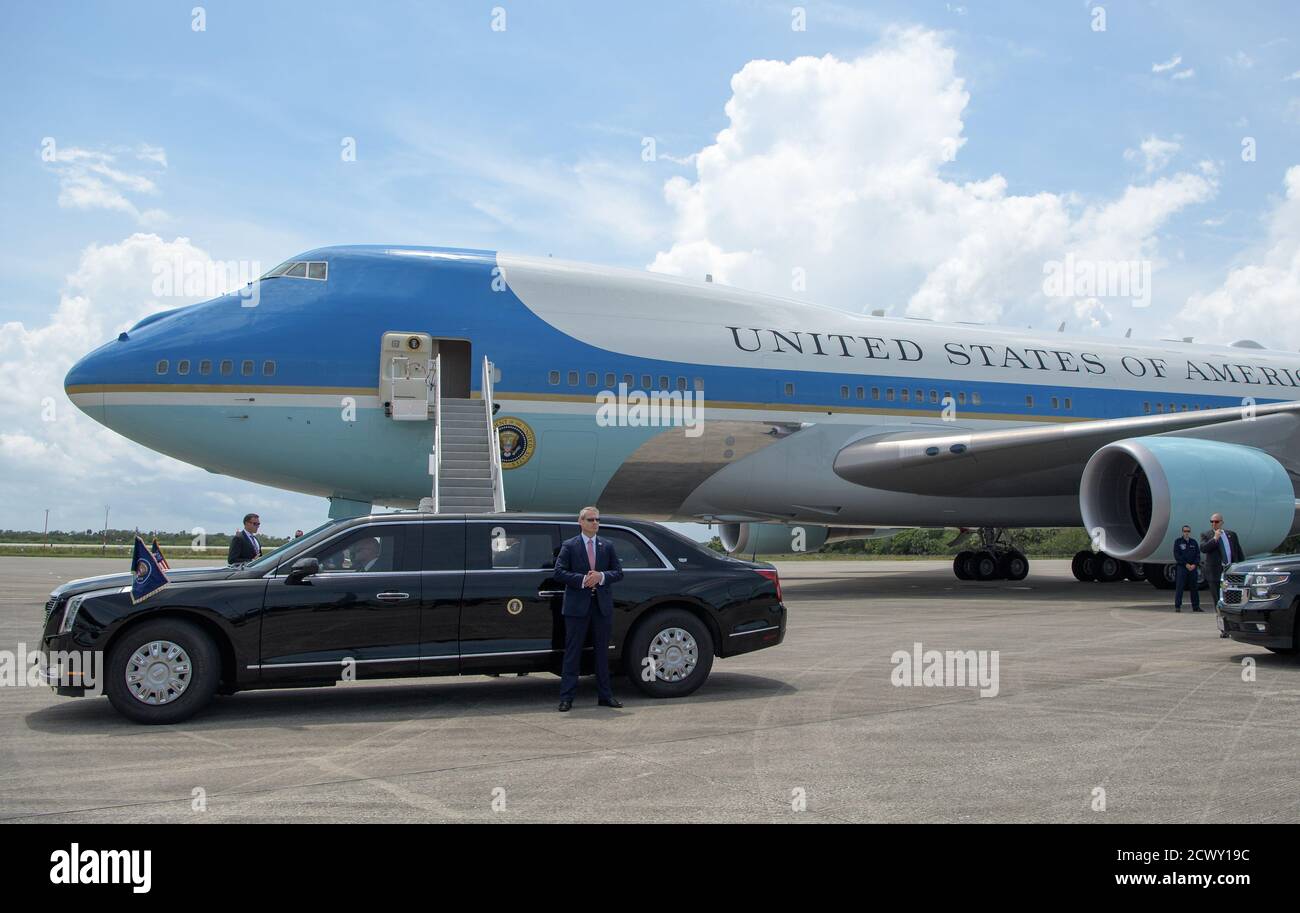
column 674, row 654
column 158, row 672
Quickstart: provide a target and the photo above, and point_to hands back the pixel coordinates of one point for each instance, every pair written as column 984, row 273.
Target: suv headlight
column 70, row 613
column 1259, row 584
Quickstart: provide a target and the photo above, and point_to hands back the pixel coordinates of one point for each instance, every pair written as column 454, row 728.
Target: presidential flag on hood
column 149, row 576
column 158, row 555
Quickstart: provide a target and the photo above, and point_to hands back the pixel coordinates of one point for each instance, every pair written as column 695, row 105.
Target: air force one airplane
column 373, row 374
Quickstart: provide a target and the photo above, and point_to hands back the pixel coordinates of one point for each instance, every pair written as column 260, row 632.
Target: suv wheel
column 669, row 654
column 162, row 671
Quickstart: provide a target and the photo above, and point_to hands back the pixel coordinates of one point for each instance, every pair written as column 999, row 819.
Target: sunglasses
column 1215, row 522
column 591, row 519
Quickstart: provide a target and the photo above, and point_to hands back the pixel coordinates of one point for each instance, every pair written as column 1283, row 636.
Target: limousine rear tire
column 677, row 646
column 162, row 671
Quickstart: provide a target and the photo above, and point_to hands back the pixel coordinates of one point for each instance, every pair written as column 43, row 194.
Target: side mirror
column 302, row 569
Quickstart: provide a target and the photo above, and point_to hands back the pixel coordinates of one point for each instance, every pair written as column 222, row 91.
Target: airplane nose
column 84, row 385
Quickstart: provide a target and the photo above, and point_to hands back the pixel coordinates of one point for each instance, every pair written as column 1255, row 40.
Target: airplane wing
column 1049, row 459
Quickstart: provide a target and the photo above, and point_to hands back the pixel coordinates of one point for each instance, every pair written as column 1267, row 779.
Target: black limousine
column 409, row 594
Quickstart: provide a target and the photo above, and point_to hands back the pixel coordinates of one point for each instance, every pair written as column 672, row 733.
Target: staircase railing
column 494, row 443
column 436, row 458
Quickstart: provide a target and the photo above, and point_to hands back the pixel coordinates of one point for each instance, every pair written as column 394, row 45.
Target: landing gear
column 996, row 559
column 961, row 566
column 1084, row 567
column 1098, row 567
column 1161, row 576
column 1165, row 577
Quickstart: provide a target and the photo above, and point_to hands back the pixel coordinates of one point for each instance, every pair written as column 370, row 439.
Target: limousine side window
column 444, row 546
column 510, row 546
column 632, row 552
column 368, row 550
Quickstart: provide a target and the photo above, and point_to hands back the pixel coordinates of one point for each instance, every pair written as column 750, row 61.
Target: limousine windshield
column 293, row 546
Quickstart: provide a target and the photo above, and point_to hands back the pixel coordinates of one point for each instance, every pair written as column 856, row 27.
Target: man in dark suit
column 587, row 566
column 1187, row 561
column 243, row 544
column 1220, row 547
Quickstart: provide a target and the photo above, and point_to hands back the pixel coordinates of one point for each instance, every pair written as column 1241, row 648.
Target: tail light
column 772, row 576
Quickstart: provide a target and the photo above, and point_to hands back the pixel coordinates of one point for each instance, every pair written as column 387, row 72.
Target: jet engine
column 1136, row 495
column 785, row 538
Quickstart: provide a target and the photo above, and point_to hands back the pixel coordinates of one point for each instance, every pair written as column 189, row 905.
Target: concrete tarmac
column 1100, row 687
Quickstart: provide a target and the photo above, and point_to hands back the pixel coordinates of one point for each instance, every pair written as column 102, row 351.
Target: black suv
column 1258, row 602
column 409, row 594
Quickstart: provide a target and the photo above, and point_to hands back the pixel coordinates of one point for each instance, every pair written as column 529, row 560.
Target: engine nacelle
column 1139, row 492
column 771, row 538
column 785, row 538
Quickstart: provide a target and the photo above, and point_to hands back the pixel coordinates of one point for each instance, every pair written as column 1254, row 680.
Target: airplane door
column 406, row 375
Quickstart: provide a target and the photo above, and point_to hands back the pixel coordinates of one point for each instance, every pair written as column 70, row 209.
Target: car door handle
column 392, row 597
column 550, row 592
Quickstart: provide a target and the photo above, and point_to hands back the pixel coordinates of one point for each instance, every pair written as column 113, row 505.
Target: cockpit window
column 300, row 269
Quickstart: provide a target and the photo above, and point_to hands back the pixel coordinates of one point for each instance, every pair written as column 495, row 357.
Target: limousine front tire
column 669, row 654
column 162, row 671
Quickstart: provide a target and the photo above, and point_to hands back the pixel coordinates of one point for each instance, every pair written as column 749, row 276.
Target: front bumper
column 61, row 682
column 1262, row 622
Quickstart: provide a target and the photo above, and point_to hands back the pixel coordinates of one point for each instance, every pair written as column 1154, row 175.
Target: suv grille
column 1232, row 597
column 1234, row 579
column 49, row 609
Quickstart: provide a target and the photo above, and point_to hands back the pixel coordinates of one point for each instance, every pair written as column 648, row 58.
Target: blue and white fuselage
column 786, row 386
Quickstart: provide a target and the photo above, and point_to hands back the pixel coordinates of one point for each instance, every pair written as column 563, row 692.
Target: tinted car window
column 444, row 547
column 511, row 546
column 684, row 552
column 632, row 552
column 370, row 549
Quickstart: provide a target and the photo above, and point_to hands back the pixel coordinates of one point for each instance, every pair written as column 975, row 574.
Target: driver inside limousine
column 365, row 555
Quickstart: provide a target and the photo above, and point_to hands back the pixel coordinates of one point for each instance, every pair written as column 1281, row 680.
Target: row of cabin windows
column 1056, row 402
column 1174, row 407
column 226, row 367
column 611, row 380
column 904, row 395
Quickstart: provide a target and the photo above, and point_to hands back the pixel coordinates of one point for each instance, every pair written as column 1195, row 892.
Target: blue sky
column 530, row 140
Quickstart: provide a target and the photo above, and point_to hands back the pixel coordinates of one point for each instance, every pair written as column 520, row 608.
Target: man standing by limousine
column 587, row 566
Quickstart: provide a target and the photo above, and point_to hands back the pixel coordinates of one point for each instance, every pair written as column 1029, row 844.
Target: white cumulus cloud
column 838, row 168
column 1260, row 299
column 91, row 179
column 1154, row 152
column 56, row 457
